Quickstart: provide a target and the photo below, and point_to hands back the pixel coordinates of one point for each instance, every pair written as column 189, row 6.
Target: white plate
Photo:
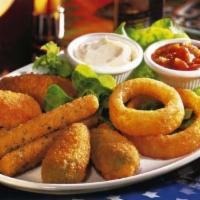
column 31, row 180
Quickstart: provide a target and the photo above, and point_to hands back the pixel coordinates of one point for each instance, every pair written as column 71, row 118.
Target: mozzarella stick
column 31, row 154
column 27, row 156
column 43, row 124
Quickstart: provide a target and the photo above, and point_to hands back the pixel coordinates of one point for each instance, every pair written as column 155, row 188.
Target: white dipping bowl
column 120, row 73
column 176, row 78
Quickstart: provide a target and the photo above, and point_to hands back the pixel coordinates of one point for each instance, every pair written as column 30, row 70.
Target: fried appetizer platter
column 65, row 138
column 67, row 159
column 36, row 85
column 112, row 154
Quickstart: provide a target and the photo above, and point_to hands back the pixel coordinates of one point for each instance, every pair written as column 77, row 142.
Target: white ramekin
column 176, row 78
column 120, row 73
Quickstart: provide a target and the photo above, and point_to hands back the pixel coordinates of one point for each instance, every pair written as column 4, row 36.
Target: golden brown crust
column 36, row 85
column 27, row 156
column 16, row 108
column 43, row 124
column 139, row 122
column 31, row 154
column 112, row 154
column 67, row 159
column 176, row 144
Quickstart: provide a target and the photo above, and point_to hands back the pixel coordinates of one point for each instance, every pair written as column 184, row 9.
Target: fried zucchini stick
column 31, row 154
column 43, row 124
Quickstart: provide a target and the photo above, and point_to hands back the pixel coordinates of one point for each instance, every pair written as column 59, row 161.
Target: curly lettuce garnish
column 143, row 71
column 85, row 81
column 159, row 30
column 52, row 61
column 197, row 91
column 173, row 27
column 121, row 29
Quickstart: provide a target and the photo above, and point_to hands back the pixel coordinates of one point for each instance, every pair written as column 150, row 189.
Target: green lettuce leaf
column 188, row 113
column 150, row 105
column 143, row 71
column 169, row 24
column 86, row 81
column 52, row 62
column 159, row 30
column 197, row 91
column 147, row 36
column 121, row 29
column 163, row 23
column 188, row 119
column 55, row 97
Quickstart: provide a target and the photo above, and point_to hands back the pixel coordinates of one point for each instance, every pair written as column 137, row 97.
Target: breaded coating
column 36, row 85
column 45, row 123
column 27, row 156
column 16, row 108
column 179, row 143
column 67, row 159
column 31, row 154
column 134, row 122
column 112, row 154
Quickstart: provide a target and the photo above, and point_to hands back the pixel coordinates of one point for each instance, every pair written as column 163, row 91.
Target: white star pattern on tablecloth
column 77, row 199
column 180, row 199
column 195, row 186
column 187, row 191
column 197, row 179
column 151, row 195
column 114, row 198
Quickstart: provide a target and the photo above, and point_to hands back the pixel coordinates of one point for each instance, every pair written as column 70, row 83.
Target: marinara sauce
column 178, row 56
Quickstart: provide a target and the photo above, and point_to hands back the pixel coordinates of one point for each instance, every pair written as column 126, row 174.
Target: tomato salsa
column 178, row 56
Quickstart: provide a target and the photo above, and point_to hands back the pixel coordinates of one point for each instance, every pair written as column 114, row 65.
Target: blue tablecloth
column 182, row 184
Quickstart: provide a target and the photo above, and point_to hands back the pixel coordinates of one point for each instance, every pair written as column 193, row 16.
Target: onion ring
column 140, row 122
column 176, row 144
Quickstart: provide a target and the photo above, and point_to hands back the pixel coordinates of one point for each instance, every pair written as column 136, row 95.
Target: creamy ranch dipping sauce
column 105, row 52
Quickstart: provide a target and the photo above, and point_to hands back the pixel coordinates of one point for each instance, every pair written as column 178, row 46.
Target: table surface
column 182, row 184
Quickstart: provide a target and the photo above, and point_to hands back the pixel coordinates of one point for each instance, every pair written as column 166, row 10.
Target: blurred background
column 25, row 25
